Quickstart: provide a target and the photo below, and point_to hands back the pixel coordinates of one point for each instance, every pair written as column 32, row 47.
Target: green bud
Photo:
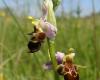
column 56, row 3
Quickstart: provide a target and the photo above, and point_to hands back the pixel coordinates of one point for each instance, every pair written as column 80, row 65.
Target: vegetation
column 17, row 64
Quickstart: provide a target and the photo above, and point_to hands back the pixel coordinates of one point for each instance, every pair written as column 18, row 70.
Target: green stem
column 51, row 43
column 52, row 20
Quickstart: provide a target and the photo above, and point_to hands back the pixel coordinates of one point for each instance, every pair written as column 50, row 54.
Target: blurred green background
column 76, row 28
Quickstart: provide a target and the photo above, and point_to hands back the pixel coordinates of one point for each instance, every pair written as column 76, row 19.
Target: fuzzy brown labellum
column 69, row 71
column 36, row 39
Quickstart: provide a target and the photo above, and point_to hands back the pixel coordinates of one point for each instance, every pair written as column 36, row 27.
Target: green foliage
column 24, row 66
column 20, row 65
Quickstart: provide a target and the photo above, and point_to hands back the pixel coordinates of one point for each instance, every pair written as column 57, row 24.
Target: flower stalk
column 51, row 46
column 51, row 42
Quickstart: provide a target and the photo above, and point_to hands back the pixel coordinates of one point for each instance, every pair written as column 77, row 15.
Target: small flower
column 59, row 57
column 68, row 69
column 47, row 66
column 46, row 27
column 49, row 29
